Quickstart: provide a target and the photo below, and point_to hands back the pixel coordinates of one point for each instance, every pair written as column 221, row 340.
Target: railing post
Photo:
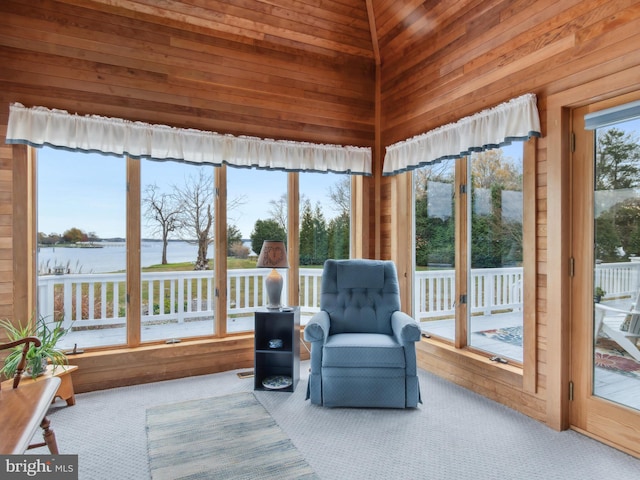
column 181, row 300
column 67, row 298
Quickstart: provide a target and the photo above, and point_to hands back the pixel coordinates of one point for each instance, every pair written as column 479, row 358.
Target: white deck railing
column 99, row 300
column 490, row 290
column 620, row 279
column 501, row 289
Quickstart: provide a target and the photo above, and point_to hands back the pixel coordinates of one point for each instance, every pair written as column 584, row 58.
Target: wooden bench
column 24, row 409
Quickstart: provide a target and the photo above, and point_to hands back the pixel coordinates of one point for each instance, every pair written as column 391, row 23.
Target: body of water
column 112, row 256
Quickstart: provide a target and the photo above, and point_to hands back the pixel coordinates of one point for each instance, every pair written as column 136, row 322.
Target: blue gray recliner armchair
column 362, row 346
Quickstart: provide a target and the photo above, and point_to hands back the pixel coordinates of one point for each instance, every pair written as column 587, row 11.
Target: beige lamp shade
column 273, row 255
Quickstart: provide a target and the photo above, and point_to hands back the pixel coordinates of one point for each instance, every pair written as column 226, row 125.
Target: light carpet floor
column 455, row 434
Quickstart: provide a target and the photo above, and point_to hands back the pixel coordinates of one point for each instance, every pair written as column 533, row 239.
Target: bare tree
column 232, row 205
column 340, row 195
column 163, row 212
column 278, row 210
column 491, row 168
column 195, row 200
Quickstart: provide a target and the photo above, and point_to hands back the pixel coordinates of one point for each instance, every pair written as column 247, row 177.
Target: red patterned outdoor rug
column 511, row 335
column 608, row 355
column 611, row 357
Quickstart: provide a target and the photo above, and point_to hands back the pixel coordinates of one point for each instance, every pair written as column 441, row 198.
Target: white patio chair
column 611, row 321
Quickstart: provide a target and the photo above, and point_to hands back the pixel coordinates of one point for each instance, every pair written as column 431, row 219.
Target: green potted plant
column 598, row 294
column 37, row 357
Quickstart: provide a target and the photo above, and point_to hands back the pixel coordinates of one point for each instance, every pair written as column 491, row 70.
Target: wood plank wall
column 130, row 66
column 183, row 68
column 440, row 61
column 458, row 58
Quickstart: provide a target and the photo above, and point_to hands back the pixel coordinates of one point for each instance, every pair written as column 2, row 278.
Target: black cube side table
column 270, row 364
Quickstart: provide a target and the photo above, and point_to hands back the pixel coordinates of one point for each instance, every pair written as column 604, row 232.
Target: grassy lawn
column 232, row 263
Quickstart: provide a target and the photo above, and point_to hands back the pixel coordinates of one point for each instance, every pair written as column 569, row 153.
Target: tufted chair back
column 360, row 295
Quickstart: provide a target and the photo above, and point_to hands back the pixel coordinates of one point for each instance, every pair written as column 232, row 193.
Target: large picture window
column 126, row 256
column 164, row 208
column 176, row 250
column 324, row 232
column 469, row 250
column 82, row 237
column 495, row 274
column 256, row 211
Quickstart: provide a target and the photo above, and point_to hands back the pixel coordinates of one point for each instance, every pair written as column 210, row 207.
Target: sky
column 88, row 191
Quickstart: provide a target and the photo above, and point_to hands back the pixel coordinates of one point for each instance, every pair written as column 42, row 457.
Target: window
column 325, row 226
column 176, row 250
column 469, row 251
column 435, row 252
column 81, row 259
column 495, row 274
column 90, row 271
column 256, row 211
column 140, row 294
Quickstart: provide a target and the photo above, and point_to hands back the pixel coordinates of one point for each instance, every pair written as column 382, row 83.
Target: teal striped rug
column 229, row 437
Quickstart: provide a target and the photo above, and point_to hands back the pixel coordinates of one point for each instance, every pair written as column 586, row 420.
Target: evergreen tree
column 234, row 237
column 266, row 230
column 338, row 233
column 617, row 168
column 306, row 234
column 314, row 243
column 607, row 238
column 617, row 157
column 321, row 244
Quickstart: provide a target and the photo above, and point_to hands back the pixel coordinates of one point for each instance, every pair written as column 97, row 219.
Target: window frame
column 24, row 176
column 528, row 368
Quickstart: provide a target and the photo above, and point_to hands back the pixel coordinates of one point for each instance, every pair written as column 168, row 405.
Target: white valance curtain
column 39, row 126
column 516, row 119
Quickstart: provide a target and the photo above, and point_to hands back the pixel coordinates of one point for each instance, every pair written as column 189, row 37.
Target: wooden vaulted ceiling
column 333, row 28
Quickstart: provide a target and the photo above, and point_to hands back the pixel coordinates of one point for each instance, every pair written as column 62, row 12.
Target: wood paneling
column 306, row 70
column 443, row 61
column 286, row 70
column 114, row 368
column 182, row 67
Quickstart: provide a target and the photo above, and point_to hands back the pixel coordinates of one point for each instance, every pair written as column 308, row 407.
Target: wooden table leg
column 49, row 436
column 65, row 391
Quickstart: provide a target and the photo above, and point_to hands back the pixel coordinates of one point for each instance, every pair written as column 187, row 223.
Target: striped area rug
column 228, row 437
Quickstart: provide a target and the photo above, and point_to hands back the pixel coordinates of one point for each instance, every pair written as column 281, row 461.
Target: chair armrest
column 23, row 358
column 405, row 328
column 317, row 329
column 25, row 340
column 616, row 311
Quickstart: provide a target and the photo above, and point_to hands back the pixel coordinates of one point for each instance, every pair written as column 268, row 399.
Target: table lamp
column 273, row 255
